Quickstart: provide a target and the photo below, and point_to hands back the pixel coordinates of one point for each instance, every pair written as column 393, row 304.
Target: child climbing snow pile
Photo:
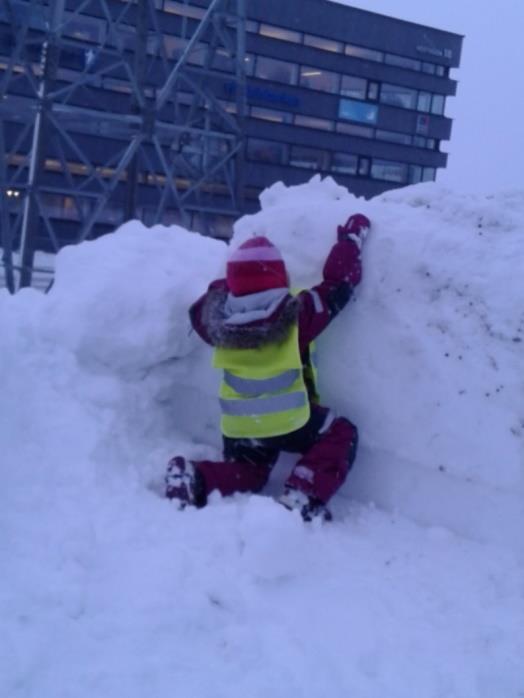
column 263, row 337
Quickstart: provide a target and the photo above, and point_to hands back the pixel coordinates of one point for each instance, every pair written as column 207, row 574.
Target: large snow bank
column 428, row 360
column 107, row 589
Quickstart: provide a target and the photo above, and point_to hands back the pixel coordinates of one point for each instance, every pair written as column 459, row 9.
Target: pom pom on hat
column 255, row 266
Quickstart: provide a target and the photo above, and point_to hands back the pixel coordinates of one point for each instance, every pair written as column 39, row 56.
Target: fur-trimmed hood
column 249, row 322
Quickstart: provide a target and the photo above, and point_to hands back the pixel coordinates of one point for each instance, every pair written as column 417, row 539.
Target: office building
column 329, row 89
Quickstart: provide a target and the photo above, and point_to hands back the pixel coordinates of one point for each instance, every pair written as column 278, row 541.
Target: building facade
column 328, row 89
column 346, row 93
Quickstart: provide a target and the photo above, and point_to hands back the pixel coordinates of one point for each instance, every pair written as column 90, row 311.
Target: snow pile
column 429, row 361
column 107, row 590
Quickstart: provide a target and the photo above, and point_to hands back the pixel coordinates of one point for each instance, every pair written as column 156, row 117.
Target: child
column 263, row 337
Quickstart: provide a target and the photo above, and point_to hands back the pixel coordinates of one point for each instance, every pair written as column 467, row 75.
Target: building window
column 429, row 174
column 180, row 8
column 424, row 101
column 358, row 111
column 323, row 44
column 280, row 33
column 367, row 53
column 309, row 158
column 429, row 68
column 222, row 60
column 187, row 99
column 353, row 87
column 389, row 171
column 116, row 86
column 197, row 54
column 363, row 167
column 394, row 137
column 422, row 125
column 314, row 122
column 266, row 151
column 438, row 103
column 429, row 143
column 278, row 71
column 441, row 71
column 354, row 130
column 373, row 90
column 174, row 46
column 318, row 79
column 282, row 117
column 126, row 37
column 75, row 168
column 249, row 61
column 344, row 163
column 84, row 29
column 230, row 107
column 398, row 96
column 415, row 174
column 402, row 62
column 58, row 206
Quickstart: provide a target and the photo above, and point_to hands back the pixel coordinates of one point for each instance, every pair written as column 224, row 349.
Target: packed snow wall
column 103, row 378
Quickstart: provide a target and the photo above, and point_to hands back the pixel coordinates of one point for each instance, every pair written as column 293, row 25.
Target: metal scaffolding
column 106, row 112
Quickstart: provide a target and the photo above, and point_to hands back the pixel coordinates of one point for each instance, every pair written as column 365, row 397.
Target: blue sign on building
column 264, row 94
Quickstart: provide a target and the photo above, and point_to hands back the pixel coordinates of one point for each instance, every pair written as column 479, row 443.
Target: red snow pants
column 328, row 450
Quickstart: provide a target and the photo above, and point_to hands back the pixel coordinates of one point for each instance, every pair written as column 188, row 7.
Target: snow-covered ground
column 416, row 589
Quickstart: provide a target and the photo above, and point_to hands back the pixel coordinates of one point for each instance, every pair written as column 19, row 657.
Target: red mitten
column 356, row 229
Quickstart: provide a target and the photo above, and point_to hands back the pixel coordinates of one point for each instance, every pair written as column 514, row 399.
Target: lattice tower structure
column 105, row 117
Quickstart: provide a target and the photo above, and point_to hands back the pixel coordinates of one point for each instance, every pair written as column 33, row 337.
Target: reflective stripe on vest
column 257, row 386
column 263, row 405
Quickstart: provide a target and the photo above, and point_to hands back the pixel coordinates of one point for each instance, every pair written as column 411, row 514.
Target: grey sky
column 487, row 143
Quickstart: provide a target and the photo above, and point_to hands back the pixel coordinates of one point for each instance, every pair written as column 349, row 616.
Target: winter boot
column 310, row 507
column 184, row 483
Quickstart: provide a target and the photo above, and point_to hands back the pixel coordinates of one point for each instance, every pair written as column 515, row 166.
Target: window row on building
column 349, row 129
column 314, row 41
column 260, row 151
column 278, row 153
column 67, row 208
column 363, row 114
column 343, row 127
column 281, row 71
column 369, row 92
column 91, row 29
column 315, row 78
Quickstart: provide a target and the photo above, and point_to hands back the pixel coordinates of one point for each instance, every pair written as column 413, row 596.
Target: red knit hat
column 255, row 266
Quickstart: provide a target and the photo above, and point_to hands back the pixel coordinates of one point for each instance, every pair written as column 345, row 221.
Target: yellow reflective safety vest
column 263, row 391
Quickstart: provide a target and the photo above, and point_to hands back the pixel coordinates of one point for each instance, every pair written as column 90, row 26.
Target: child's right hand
column 356, row 229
